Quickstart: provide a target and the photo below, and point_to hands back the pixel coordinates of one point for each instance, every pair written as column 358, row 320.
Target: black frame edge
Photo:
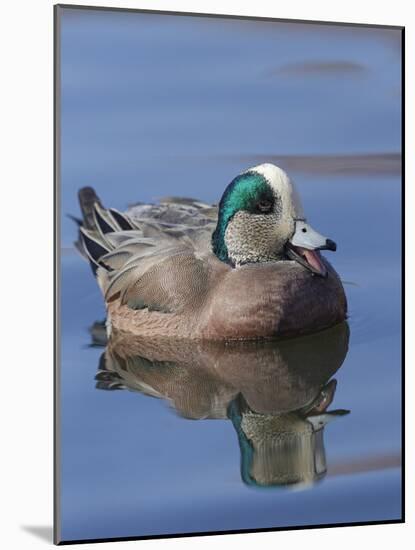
column 403, row 277
column 228, row 16
column 56, row 273
column 233, row 532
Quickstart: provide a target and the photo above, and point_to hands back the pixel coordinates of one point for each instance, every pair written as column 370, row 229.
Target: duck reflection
column 276, row 393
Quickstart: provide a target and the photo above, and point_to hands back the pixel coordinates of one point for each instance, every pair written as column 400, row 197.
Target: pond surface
column 201, row 439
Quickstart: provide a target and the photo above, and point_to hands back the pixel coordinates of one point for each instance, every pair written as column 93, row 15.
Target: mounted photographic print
column 229, row 274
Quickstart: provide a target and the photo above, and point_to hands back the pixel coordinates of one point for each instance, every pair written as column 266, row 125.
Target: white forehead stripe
column 282, row 185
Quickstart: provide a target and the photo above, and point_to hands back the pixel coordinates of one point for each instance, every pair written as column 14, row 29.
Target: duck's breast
column 273, row 299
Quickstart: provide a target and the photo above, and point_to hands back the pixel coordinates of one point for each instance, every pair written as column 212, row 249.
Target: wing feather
column 171, row 285
column 154, row 255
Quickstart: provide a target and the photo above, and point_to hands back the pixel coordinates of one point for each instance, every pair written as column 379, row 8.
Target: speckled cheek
column 251, row 237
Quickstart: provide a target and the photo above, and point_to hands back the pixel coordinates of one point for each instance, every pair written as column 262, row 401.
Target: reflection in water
column 275, row 393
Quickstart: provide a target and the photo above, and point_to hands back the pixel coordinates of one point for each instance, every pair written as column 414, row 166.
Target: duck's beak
column 305, row 245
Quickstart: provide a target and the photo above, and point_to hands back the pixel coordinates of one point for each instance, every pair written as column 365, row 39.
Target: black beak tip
column 331, row 245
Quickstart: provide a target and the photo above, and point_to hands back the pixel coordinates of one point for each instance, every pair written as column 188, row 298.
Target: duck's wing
column 176, row 211
column 152, row 256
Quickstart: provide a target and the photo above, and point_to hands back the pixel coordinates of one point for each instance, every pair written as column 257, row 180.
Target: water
column 165, row 105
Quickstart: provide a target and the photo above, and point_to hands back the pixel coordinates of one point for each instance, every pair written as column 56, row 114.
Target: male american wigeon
column 249, row 268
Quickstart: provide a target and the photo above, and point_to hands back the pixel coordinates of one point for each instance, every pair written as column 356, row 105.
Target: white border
column 27, row 233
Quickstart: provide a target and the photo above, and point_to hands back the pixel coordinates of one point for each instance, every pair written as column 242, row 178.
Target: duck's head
column 261, row 219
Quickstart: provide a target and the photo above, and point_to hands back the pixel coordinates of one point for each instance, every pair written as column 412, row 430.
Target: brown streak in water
column 368, row 464
column 364, row 164
column 322, row 68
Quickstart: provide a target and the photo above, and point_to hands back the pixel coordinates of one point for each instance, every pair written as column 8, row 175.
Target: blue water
column 156, row 105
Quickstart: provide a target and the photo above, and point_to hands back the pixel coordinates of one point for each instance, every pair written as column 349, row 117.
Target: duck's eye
column 264, row 206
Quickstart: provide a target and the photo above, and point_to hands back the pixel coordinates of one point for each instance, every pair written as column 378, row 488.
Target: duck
column 247, row 268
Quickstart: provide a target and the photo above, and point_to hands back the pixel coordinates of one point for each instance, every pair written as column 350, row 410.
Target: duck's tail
column 95, row 224
column 87, row 201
